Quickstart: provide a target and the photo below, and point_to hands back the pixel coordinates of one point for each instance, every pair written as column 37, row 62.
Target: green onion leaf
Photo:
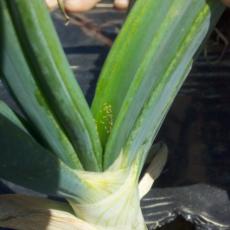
column 146, row 64
column 55, row 79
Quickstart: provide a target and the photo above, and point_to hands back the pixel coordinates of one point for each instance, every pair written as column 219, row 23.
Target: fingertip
column 51, row 4
column 79, row 5
column 121, row 4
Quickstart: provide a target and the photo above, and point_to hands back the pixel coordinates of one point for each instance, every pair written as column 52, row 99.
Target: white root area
column 120, row 210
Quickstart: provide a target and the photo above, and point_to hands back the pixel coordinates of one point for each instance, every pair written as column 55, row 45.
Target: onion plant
column 92, row 157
